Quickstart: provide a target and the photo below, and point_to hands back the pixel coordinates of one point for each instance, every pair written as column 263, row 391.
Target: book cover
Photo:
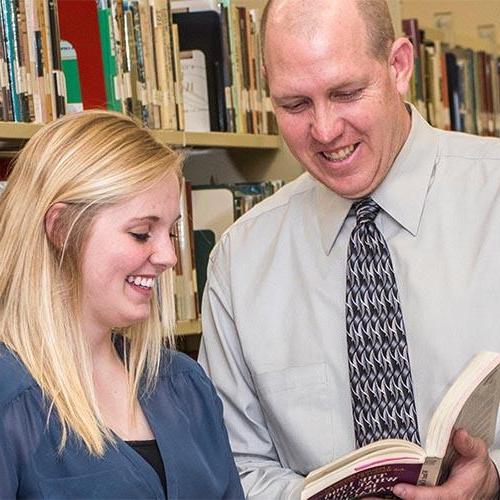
column 74, row 103
column 202, row 31
column 470, row 403
column 80, row 30
column 376, row 481
column 107, row 56
column 195, row 91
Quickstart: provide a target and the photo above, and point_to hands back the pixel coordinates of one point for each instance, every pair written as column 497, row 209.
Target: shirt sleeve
column 262, row 475
column 8, row 474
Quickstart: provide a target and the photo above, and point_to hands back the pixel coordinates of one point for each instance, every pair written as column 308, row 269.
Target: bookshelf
column 11, row 131
column 218, row 139
column 186, row 328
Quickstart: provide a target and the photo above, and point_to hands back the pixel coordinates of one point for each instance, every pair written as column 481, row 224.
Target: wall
column 466, row 16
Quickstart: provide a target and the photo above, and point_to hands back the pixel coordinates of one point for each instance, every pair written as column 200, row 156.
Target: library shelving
column 191, row 327
column 13, row 131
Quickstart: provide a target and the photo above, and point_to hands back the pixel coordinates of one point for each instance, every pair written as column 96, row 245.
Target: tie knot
column 366, row 210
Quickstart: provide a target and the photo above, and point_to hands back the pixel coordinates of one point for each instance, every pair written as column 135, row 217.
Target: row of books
column 206, row 212
column 220, row 42
column 455, row 88
column 190, row 65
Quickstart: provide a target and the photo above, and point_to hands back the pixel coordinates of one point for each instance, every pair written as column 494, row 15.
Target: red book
column 79, row 26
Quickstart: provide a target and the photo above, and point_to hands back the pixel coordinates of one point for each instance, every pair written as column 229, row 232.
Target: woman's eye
column 140, row 236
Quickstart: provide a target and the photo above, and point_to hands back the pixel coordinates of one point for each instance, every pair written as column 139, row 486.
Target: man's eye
column 295, row 107
column 140, row 236
column 347, row 96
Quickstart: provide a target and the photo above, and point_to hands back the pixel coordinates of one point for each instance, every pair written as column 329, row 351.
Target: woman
column 92, row 405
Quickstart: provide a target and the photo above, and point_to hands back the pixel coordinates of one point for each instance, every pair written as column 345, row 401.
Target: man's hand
column 473, row 475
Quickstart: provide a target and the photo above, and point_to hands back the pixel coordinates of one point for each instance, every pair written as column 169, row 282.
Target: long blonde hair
column 87, row 161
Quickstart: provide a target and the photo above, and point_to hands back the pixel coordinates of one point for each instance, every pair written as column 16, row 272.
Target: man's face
column 338, row 108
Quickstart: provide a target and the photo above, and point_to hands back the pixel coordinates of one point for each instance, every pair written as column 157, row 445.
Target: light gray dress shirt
column 274, row 333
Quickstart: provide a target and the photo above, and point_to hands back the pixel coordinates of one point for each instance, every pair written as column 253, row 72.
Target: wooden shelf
column 10, row 131
column 218, row 139
column 191, row 327
column 18, row 131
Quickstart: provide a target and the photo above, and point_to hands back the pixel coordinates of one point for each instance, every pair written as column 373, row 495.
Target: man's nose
column 327, row 125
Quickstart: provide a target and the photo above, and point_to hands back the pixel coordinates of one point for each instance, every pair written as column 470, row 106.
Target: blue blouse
column 185, row 415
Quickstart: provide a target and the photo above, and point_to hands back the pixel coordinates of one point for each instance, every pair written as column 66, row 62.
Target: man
column 277, row 306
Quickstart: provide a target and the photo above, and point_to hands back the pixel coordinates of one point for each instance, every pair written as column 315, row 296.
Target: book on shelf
column 201, row 31
column 12, row 41
column 195, row 91
column 471, row 403
column 124, row 55
column 454, row 87
column 81, row 54
column 185, row 292
column 107, row 37
column 417, row 84
column 162, row 32
column 69, row 61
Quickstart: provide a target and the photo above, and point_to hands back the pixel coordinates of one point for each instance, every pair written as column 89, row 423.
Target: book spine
column 45, row 61
column 429, row 474
column 55, row 53
column 178, row 77
column 130, row 74
column 35, row 63
column 235, row 45
column 117, row 37
column 24, row 64
column 139, row 57
column 6, row 98
column 227, row 70
column 11, row 51
column 108, row 56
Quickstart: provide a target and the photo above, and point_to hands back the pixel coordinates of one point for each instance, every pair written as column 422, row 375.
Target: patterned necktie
column 383, row 405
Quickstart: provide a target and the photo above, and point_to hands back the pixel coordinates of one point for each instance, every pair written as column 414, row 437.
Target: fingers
column 473, row 474
column 467, row 446
column 410, row 492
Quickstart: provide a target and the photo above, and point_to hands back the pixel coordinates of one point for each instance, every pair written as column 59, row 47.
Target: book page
column 469, row 406
column 370, row 452
column 374, row 469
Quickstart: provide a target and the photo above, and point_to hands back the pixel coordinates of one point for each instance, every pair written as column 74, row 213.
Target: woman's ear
column 51, row 219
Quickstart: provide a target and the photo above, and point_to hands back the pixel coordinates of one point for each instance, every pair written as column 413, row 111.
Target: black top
column 148, row 449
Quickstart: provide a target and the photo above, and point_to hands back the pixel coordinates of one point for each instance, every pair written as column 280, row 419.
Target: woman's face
column 128, row 247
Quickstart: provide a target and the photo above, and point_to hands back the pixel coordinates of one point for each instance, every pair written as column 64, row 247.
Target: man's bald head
column 302, row 16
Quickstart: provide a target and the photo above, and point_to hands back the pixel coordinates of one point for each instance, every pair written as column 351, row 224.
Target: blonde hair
column 86, row 161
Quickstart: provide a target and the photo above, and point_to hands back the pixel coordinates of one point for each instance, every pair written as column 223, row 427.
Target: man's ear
column 51, row 218
column 401, row 64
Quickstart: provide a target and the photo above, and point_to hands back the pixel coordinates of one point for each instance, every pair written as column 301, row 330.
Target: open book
column 470, row 403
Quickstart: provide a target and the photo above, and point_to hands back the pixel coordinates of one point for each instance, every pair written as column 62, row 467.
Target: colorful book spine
column 108, row 56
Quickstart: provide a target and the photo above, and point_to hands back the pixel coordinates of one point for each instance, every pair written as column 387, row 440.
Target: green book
column 108, row 58
column 69, row 61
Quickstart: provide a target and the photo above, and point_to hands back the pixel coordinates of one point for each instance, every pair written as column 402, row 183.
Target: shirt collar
column 402, row 193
